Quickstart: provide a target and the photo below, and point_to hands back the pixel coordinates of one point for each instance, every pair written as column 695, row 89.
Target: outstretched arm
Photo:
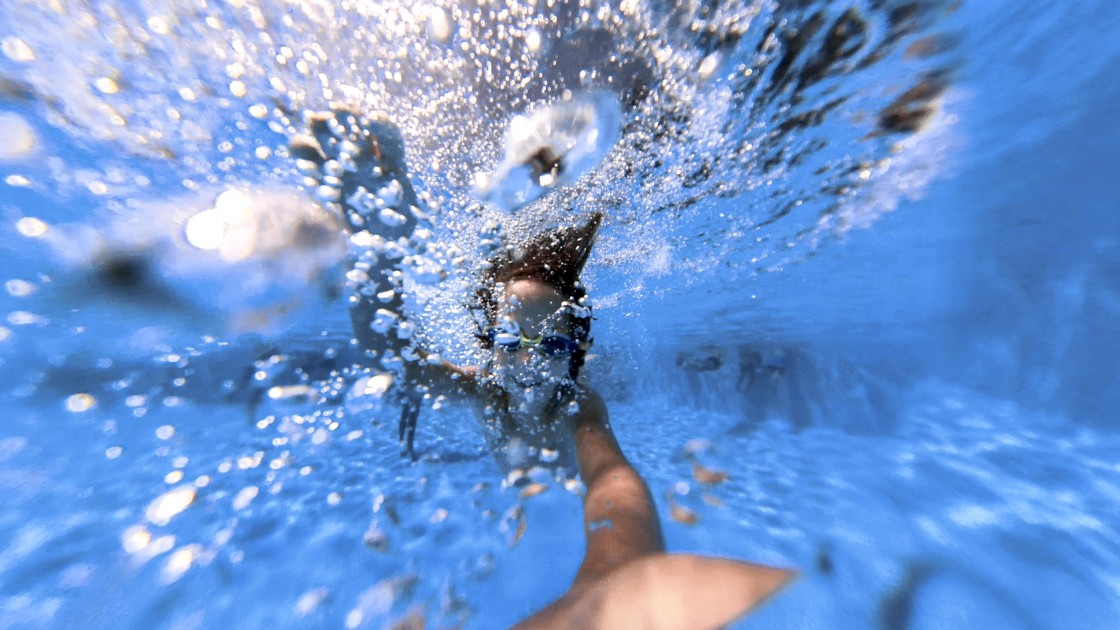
column 444, row 378
column 619, row 517
column 626, row 580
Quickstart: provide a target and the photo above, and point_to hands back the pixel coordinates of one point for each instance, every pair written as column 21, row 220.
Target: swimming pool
column 895, row 338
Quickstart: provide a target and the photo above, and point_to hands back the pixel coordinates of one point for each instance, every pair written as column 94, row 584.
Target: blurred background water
column 862, row 257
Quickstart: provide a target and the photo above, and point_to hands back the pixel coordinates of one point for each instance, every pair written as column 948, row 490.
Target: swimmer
column 535, row 327
column 537, row 332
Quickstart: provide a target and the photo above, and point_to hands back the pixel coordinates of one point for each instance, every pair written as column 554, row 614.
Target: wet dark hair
column 555, row 258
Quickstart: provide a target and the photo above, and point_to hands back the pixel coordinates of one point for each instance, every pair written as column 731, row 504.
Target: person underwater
column 540, row 413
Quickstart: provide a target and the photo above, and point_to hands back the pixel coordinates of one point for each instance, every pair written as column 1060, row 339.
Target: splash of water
column 791, row 109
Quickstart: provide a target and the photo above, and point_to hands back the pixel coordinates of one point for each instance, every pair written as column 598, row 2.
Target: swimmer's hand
column 430, row 375
column 358, row 164
column 663, row 591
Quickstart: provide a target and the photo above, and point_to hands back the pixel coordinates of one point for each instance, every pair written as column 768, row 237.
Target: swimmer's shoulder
column 666, row 591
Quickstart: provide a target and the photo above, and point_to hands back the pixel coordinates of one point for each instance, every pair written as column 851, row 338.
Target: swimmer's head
column 536, row 293
column 533, row 344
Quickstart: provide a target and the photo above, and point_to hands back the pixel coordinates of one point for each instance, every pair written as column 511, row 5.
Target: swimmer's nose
column 530, row 361
column 526, row 356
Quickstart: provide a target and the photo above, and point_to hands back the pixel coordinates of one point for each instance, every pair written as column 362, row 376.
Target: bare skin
column 626, row 579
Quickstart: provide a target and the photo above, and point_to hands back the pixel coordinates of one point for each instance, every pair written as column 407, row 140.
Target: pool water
column 889, row 322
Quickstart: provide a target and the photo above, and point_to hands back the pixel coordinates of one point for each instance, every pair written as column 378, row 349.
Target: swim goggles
column 554, row 345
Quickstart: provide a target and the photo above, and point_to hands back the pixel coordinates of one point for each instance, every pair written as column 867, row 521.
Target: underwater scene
column 853, row 306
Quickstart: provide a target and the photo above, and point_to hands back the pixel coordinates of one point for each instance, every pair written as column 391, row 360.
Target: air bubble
column 19, row 137
column 17, row 50
column 391, row 217
column 383, row 321
column 390, row 194
column 439, row 26
column 328, row 193
column 19, row 288
column 179, row 563
column 159, row 25
column 79, row 403
column 708, row 65
column 244, row 497
column 533, row 40
column 169, row 505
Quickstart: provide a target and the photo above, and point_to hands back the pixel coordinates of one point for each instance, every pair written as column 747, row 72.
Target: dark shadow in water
column 806, row 388
column 970, row 598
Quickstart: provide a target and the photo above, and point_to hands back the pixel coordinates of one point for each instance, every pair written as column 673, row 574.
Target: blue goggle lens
column 551, row 345
column 557, row 345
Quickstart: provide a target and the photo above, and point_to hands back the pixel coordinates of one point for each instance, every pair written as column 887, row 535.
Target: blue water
column 916, row 412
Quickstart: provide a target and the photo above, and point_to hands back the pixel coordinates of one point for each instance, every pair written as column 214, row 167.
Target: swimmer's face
column 529, row 373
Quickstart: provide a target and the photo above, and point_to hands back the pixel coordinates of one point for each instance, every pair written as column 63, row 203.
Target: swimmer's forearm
column 620, row 519
column 444, row 377
column 620, row 522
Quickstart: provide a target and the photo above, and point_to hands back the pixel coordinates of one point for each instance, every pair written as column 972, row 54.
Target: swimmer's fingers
column 359, row 144
column 329, row 127
column 341, row 131
column 305, row 147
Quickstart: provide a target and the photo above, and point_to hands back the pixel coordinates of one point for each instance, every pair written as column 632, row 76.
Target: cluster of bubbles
column 250, row 155
column 796, row 105
column 247, row 163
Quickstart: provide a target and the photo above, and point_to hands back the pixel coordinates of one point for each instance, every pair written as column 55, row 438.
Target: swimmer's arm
column 665, row 592
column 442, row 377
column 626, row 579
column 619, row 516
column 430, row 376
